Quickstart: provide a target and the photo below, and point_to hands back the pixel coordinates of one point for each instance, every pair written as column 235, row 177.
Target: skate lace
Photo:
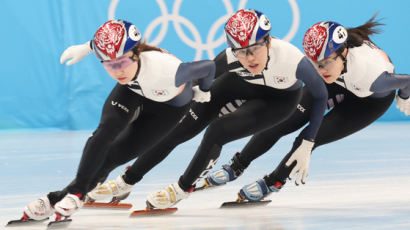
column 40, row 208
column 74, row 203
column 69, row 204
column 42, row 204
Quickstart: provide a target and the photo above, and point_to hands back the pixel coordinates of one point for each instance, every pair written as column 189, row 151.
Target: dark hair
column 361, row 33
column 142, row 46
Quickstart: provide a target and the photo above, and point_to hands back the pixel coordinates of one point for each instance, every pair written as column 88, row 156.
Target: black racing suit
column 348, row 115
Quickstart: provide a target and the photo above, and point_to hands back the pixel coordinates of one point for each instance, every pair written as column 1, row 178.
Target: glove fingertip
column 69, row 62
column 290, row 177
column 291, row 174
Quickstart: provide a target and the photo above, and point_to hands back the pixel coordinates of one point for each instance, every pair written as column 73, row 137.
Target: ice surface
column 360, row 182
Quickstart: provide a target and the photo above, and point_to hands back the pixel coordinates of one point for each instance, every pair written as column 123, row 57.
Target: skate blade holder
column 151, row 211
column 242, row 203
column 24, row 222
column 109, row 205
column 59, row 222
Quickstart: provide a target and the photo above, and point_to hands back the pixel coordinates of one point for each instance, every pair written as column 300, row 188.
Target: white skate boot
column 117, row 189
column 68, row 205
column 167, row 197
column 39, row 209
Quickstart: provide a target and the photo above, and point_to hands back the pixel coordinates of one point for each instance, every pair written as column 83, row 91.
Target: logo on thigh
column 300, row 108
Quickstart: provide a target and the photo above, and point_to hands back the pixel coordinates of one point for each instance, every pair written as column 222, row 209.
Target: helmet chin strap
column 268, row 46
column 344, row 62
column 138, row 70
column 267, row 61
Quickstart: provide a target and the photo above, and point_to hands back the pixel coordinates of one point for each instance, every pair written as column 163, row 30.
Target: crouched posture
column 361, row 86
column 154, row 91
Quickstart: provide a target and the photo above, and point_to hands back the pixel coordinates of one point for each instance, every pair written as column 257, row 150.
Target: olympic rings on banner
column 197, row 43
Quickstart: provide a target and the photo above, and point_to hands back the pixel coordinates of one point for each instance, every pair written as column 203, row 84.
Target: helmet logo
column 108, row 38
column 313, row 41
column 133, row 33
column 241, row 25
column 264, row 23
column 339, row 35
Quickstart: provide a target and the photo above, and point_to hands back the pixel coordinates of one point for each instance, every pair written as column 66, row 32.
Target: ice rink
column 360, row 182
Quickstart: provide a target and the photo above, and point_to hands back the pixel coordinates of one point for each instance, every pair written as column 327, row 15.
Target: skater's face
column 331, row 67
column 122, row 69
column 254, row 57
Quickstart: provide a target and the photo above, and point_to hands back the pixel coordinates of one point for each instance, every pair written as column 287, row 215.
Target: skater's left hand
column 302, row 157
column 201, row 96
column 75, row 53
column 403, row 104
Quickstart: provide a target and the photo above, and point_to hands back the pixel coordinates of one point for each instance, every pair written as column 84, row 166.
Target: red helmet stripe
column 108, row 38
column 314, row 40
column 241, row 25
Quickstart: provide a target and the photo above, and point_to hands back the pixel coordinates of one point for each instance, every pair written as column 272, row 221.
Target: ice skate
column 113, row 204
column 39, row 209
column 36, row 211
column 116, row 189
column 151, row 211
column 253, row 194
column 258, row 190
column 69, row 205
column 222, row 176
column 241, row 202
column 167, row 197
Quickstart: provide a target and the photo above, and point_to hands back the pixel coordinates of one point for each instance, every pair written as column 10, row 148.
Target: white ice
column 360, row 182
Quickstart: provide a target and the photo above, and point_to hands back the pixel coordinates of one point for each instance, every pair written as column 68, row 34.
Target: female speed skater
column 154, row 91
column 361, row 84
column 266, row 72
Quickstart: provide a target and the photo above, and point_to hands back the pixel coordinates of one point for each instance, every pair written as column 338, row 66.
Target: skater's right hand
column 403, row 104
column 76, row 53
column 201, row 96
column 302, row 157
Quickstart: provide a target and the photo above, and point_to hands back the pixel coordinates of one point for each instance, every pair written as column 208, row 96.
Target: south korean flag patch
column 159, row 92
column 280, row 80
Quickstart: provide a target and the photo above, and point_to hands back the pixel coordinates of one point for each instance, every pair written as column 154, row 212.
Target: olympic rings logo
column 197, row 44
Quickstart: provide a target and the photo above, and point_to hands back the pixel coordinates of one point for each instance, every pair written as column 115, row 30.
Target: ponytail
column 361, row 33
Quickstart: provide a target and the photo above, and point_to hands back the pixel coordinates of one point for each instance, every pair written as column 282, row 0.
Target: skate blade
column 243, row 204
column 17, row 223
column 153, row 212
column 59, row 224
column 108, row 205
column 206, row 186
